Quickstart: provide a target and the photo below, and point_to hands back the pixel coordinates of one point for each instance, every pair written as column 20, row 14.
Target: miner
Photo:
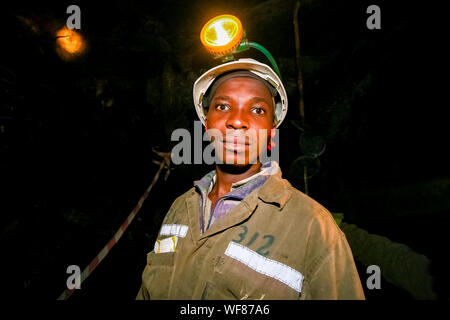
column 242, row 231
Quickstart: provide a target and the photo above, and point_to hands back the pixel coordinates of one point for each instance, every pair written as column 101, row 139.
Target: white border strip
column 178, row 230
column 268, row 267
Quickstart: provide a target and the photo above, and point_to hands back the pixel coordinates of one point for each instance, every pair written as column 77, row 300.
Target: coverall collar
column 274, row 191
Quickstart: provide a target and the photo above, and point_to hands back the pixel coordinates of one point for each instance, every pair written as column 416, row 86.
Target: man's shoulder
column 178, row 206
column 306, row 202
column 303, row 209
column 180, row 200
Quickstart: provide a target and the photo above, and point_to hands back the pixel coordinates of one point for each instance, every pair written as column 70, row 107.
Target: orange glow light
column 70, row 41
column 222, row 34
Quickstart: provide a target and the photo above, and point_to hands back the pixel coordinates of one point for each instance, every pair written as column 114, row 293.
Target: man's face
column 242, row 110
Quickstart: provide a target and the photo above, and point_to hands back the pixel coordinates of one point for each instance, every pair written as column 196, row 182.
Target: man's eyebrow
column 254, row 99
column 259, row 99
column 222, row 98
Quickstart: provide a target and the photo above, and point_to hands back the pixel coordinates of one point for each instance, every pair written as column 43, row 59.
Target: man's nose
column 236, row 121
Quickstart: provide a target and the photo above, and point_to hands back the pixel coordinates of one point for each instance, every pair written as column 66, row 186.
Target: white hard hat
column 262, row 70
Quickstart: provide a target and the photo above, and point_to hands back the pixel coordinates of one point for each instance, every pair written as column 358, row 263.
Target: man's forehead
column 242, row 84
column 254, row 99
column 238, row 74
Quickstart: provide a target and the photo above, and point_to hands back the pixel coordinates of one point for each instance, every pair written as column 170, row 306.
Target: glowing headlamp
column 224, row 35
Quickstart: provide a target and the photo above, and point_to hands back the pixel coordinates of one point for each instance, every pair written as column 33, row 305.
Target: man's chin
column 234, row 168
column 237, row 159
column 236, row 163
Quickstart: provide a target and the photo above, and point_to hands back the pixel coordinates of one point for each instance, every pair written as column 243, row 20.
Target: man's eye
column 258, row 110
column 222, row 107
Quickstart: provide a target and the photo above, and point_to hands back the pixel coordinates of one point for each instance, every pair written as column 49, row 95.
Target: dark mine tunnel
column 86, row 114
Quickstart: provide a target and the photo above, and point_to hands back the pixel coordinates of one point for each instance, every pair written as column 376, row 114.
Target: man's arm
column 333, row 274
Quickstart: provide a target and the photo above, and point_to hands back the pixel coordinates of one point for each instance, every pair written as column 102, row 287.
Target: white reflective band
column 178, row 230
column 268, row 267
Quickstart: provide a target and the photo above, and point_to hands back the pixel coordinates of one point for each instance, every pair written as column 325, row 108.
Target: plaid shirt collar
column 239, row 190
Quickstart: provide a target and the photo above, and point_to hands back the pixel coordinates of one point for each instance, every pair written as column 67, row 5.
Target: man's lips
column 235, row 146
column 235, row 141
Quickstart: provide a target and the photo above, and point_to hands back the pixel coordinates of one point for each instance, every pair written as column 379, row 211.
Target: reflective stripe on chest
column 178, row 230
column 263, row 265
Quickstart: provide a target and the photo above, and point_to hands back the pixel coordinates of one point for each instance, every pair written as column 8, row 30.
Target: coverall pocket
column 214, row 291
column 235, row 280
column 232, row 281
column 160, row 258
column 158, row 274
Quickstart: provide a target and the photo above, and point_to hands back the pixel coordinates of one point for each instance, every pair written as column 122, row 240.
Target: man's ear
column 274, row 124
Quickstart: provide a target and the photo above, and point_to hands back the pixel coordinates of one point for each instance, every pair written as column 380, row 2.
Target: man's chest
column 249, row 259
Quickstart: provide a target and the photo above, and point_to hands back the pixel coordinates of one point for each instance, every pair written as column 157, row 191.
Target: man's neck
column 226, row 175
